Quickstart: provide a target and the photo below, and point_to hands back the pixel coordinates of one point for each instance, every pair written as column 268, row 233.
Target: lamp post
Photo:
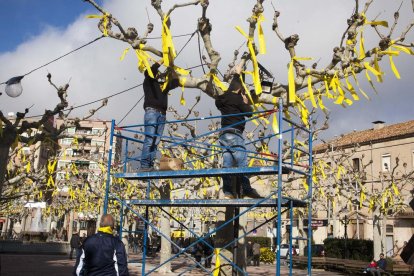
column 14, row 87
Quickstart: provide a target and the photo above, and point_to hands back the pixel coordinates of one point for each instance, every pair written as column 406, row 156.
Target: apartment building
column 374, row 153
column 85, row 146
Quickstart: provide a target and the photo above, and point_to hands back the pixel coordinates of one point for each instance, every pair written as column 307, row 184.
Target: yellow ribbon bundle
column 291, row 78
column 256, row 76
column 168, row 49
column 216, row 271
column 105, row 17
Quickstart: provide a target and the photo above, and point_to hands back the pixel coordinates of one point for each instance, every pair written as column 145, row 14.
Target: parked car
column 318, row 250
column 284, row 249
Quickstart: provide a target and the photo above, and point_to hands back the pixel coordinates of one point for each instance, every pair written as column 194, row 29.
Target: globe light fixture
column 14, row 87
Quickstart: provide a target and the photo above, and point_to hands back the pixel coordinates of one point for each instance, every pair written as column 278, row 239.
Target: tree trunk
column 165, row 252
column 4, row 158
column 377, row 235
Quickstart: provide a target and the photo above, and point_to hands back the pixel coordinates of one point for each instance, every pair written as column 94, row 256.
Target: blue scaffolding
column 287, row 129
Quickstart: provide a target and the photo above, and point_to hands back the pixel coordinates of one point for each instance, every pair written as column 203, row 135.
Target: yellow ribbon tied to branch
column 310, row 89
column 168, row 49
column 291, row 78
column 105, row 23
column 374, row 23
column 256, row 76
column 262, row 42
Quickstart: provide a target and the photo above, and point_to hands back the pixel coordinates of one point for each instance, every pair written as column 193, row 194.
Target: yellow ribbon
column 394, row 187
column 291, row 78
column 262, row 43
column 256, row 76
column 168, row 49
column 217, row 81
column 105, row 17
column 124, row 54
column 361, row 47
column 250, row 99
column 182, row 83
column 143, row 63
column 374, row 23
column 106, row 229
column 216, row 271
column 350, row 88
column 310, row 89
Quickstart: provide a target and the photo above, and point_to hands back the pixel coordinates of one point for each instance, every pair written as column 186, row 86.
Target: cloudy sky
column 35, row 32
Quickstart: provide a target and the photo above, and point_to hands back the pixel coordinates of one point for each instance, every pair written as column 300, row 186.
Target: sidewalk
column 58, row 265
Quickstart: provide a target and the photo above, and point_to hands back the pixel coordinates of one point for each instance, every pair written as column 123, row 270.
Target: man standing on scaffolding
column 234, row 101
column 155, row 106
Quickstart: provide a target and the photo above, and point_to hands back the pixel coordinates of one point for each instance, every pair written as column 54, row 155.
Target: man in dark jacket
column 155, row 106
column 102, row 254
column 234, row 101
column 75, row 243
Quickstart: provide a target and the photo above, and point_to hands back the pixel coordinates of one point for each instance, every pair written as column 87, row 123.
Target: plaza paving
column 50, row 265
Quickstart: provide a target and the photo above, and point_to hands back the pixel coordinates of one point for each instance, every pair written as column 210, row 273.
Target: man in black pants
column 155, row 106
column 234, row 101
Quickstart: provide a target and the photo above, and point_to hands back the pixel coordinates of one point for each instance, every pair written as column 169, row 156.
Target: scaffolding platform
column 265, row 202
column 247, row 171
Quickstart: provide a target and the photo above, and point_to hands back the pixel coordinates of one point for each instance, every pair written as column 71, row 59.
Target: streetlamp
column 345, row 221
column 14, row 87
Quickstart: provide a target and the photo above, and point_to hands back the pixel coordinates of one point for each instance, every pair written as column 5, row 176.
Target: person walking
column 249, row 253
column 155, row 106
column 75, row 243
column 102, row 253
column 256, row 254
column 234, row 101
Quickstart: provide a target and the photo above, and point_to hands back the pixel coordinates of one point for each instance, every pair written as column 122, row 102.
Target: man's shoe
column 252, row 194
column 228, row 195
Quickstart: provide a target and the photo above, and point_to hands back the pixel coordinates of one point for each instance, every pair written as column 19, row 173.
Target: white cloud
column 96, row 71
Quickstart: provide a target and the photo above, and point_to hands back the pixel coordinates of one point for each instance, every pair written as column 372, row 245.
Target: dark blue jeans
column 234, row 156
column 154, row 127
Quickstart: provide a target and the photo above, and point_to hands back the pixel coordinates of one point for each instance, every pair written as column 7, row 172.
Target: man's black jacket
column 101, row 255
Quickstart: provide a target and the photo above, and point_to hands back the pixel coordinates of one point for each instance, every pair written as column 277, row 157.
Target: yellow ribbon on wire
column 105, row 17
column 216, row 271
column 256, row 77
column 168, row 49
column 291, row 78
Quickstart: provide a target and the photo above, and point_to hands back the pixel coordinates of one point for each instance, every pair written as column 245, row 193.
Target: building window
column 67, row 141
column 97, row 143
column 63, row 164
column 98, row 131
column 390, row 229
column 356, row 164
column 71, row 130
column 93, row 166
column 386, row 162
